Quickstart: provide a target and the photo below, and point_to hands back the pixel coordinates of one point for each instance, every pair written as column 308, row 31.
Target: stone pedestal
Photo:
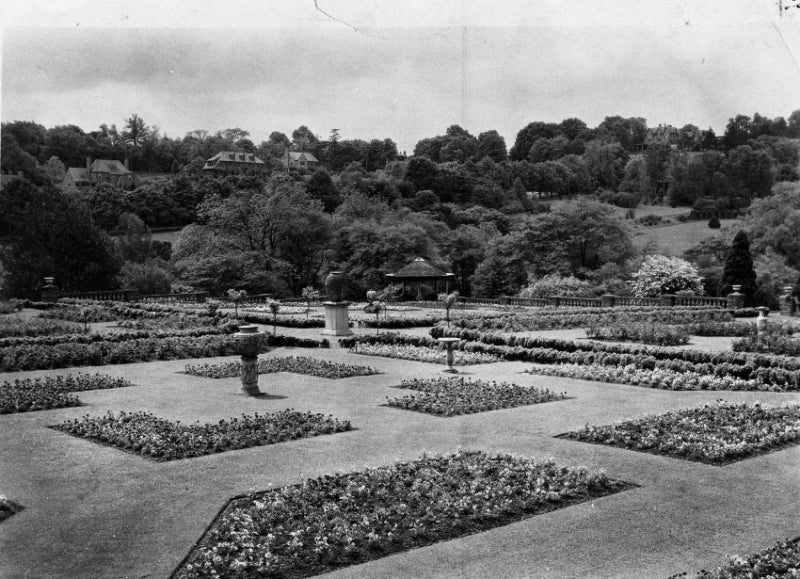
column 449, row 343
column 788, row 307
column 735, row 299
column 337, row 320
column 249, row 341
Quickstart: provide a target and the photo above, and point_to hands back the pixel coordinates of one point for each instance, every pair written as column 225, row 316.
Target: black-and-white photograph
column 388, row 289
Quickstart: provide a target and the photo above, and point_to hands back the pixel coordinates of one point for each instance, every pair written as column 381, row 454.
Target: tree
column 659, row 275
column 303, row 139
column 133, row 237
column 749, row 171
column 739, row 269
column 448, row 301
column 575, row 237
column 492, row 145
column 774, row 223
column 135, row 131
column 236, row 296
column 737, row 131
column 605, row 163
column 320, row 186
column 50, row 234
column 528, row 136
column 309, row 294
column 55, row 170
column 150, row 277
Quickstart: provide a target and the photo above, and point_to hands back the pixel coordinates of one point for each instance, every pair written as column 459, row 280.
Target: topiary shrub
column 714, row 223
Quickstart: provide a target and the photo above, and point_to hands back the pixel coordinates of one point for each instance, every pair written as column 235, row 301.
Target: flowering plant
column 346, row 519
column 296, row 364
column 453, row 396
column 161, row 439
column 422, row 354
column 52, row 391
column 716, row 434
column 659, row 275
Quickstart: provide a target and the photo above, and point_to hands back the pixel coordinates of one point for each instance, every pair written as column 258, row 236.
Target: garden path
column 96, row 512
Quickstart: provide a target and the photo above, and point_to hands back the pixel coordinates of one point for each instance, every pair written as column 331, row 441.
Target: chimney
column 126, row 164
column 88, row 164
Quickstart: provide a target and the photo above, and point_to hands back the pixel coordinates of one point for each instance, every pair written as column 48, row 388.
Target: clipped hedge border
column 42, row 357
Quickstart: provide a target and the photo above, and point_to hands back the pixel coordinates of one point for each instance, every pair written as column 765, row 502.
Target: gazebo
column 419, row 271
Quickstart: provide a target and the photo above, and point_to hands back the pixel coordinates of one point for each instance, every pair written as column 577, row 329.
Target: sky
column 404, row 69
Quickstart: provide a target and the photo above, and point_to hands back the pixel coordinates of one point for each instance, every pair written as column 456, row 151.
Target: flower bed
column 14, row 326
column 52, row 391
column 778, row 371
column 295, row 364
column 429, row 354
column 453, row 396
column 62, row 355
column 89, row 313
column 644, row 332
column 655, row 378
column 346, row 519
column 780, row 560
column 770, row 342
column 584, row 317
column 162, row 440
column 715, row 434
column 8, row 508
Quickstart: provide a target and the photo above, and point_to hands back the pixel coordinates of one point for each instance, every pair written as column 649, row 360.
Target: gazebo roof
column 419, row 269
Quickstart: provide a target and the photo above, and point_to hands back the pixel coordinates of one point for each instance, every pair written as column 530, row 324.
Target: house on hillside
column 99, row 171
column 662, row 135
column 235, row 163
column 300, row 161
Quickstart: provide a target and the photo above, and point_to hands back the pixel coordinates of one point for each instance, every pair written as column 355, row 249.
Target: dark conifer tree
column 739, row 270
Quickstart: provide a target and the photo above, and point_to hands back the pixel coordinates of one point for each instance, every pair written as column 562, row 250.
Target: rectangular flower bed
column 346, row 519
column 429, row 354
column 52, row 391
column 715, row 434
column 295, row 364
column 162, row 440
column 451, row 396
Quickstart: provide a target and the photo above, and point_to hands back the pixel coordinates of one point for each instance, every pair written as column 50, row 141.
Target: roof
column 419, row 269
column 232, row 157
column 78, row 175
column 302, row 156
column 111, row 167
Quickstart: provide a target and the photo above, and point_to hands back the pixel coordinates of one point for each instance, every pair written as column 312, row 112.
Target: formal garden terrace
column 626, row 441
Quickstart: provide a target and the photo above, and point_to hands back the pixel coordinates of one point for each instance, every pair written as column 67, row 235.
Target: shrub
column 649, row 220
column 556, row 285
column 659, row 275
column 714, row 223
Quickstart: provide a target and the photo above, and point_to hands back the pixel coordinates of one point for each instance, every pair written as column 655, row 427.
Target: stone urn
column 335, row 286
column 736, row 298
column 337, row 319
column 249, row 342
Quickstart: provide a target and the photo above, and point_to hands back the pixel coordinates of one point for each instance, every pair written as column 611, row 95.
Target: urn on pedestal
column 249, row 342
column 337, row 320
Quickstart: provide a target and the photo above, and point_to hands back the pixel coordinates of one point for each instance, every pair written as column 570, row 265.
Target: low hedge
column 644, row 332
column 771, row 343
column 40, row 357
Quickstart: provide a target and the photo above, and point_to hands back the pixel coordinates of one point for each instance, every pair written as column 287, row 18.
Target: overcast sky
column 403, row 70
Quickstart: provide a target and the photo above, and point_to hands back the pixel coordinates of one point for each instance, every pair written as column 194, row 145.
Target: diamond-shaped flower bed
column 52, row 391
column 335, row 521
column 715, row 434
column 451, row 396
column 162, row 440
column 295, row 364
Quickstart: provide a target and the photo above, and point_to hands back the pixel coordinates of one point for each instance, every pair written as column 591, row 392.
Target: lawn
column 91, row 510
